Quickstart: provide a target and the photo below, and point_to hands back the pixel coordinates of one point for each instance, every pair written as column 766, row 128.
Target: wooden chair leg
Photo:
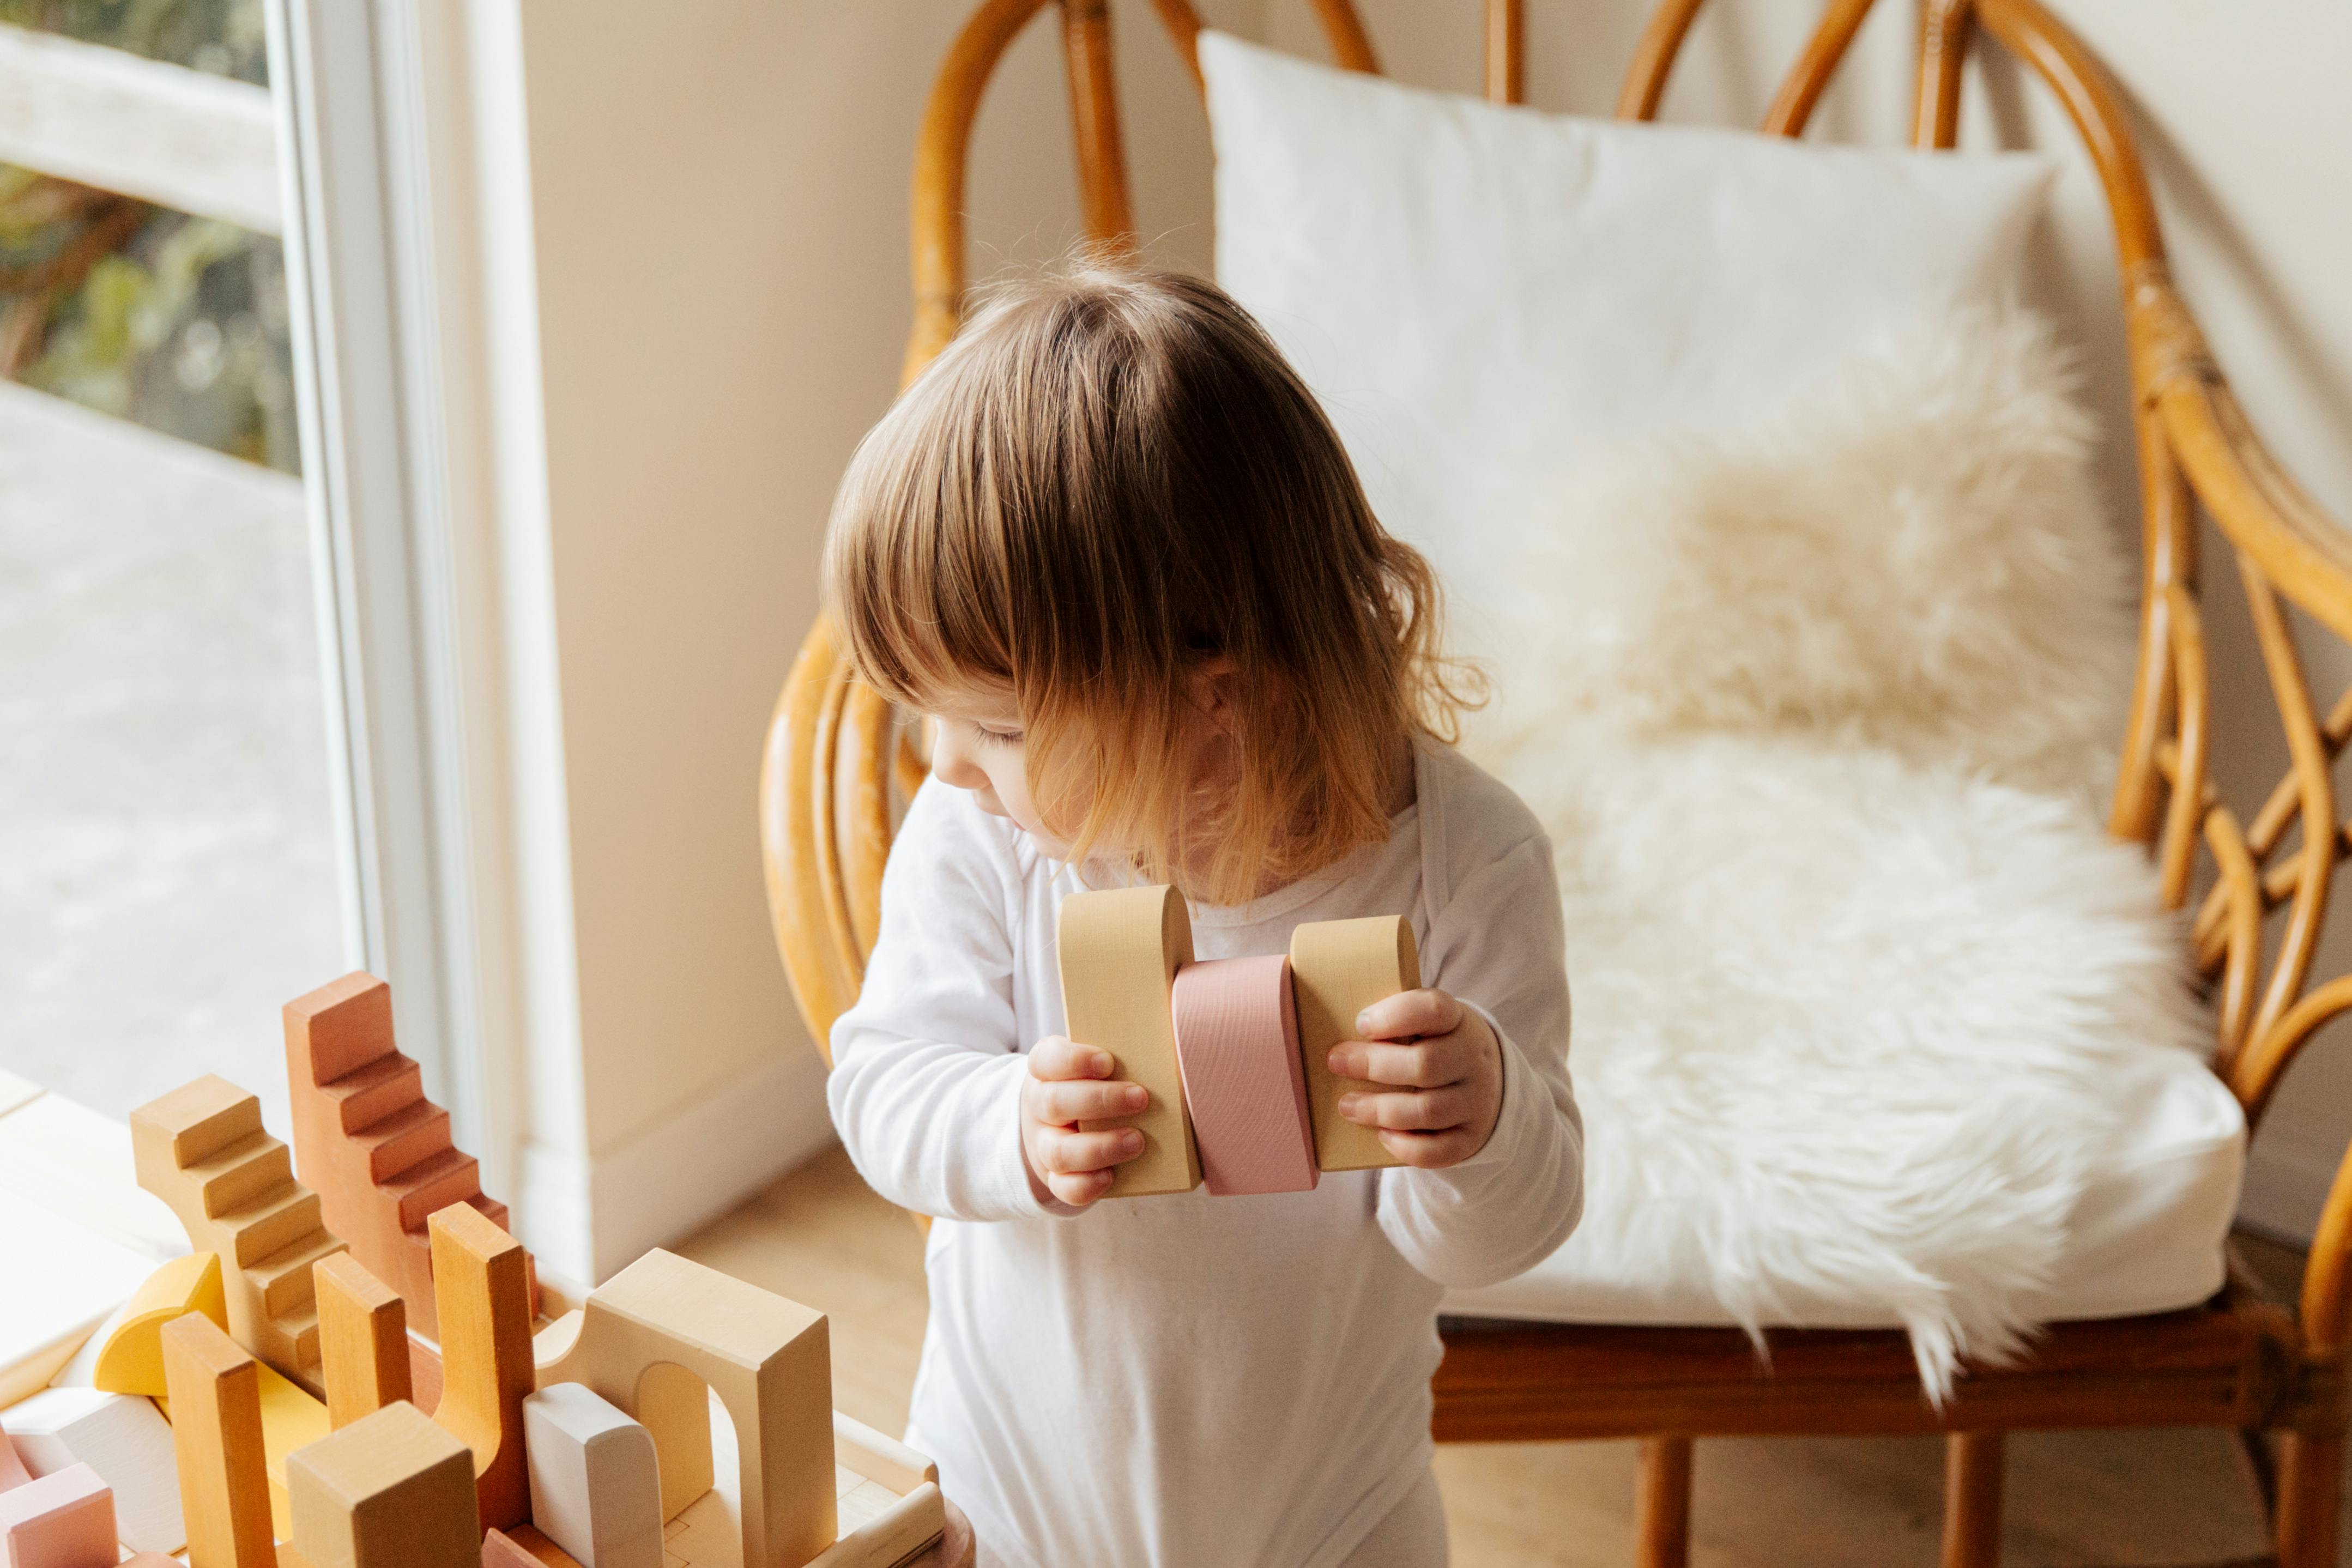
column 1662, row 1504
column 1972, row 1477
column 2310, row 1498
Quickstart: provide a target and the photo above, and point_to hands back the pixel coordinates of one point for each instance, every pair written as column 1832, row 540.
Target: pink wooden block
column 64, row 1520
column 1237, row 1040
column 13, row 1472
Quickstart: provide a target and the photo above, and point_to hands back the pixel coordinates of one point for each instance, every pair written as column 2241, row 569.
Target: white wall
column 2247, row 129
column 717, row 214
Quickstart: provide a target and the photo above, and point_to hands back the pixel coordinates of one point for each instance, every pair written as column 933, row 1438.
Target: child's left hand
column 1447, row 1067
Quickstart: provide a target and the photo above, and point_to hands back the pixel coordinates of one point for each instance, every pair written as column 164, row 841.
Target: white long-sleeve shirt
column 1188, row 1381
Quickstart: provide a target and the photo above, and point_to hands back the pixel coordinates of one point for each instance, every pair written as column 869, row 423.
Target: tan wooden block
column 769, row 1360
column 535, row 1544
column 868, row 1453
column 1119, row 953
column 1338, row 968
column 487, row 1370
column 201, row 1150
column 393, row 1489
column 215, row 1393
column 131, row 1361
column 363, row 1345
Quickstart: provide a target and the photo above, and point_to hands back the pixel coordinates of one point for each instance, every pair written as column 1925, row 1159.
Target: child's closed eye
column 996, row 736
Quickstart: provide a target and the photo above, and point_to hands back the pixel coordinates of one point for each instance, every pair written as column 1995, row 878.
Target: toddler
column 1109, row 545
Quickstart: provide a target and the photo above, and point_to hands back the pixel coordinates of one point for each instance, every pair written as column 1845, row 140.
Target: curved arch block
column 769, row 1360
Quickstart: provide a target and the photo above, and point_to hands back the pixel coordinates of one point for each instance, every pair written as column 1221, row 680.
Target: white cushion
column 1479, row 293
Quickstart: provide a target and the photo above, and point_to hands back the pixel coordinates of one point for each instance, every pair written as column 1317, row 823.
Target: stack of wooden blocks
column 271, row 1400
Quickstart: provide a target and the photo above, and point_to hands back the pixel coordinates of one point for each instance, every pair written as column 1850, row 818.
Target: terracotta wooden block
column 1119, row 954
column 130, row 1358
column 121, row 1438
column 769, row 1360
column 486, row 1360
column 393, row 1489
column 532, row 1542
column 363, row 1341
column 1238, row 1039
column 424, row 1373
column 201, row 1150
column 215, row 1391
column 61, row 1521
column 1338, row 968
column 595, row 1486
column 377, row 1151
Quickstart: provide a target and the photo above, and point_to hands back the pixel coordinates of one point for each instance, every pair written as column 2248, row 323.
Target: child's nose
column 952, row 763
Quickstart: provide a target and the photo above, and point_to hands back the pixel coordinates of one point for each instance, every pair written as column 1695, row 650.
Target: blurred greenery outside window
column 178, row 323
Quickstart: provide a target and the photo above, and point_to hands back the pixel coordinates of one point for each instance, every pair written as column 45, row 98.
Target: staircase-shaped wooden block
column 201, row 1150
column 376, row 1148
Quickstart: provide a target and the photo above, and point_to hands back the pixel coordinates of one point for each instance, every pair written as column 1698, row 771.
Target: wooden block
column 487, row 1370
column 77, row 1162
column 1237, row 1037
column 892, row 1533
column 216, row 1435
column 424, row 1373
column 131, row 1357
column 1338, row 968
column 769, row 1360
column 121, row 1438
column 595, row 1486
column 61, row 1521
column 533, row 1543
column 291, row 1420
column 867, row 1452
column 393, row 1489
column 377, row 1150
column 201, row 1150
column 49, row 1312
column 13, row 1472
column 363, row 1342
column 1119, row 954
column 500, row 1551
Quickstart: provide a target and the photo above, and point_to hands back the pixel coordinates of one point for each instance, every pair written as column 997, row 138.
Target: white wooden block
column 121, row 1438
column 75, row 1162
column 595, row 1486
column 63, row 1279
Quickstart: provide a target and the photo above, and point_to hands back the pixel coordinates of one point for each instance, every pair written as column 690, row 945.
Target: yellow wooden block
column 290, row 1419
column 216, row 1436
column 1120, row 950
column 1338, row 968
column 132, row 1359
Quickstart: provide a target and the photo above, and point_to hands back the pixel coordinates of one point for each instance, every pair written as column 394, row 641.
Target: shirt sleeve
column 1498, row 946
column 928, row 1066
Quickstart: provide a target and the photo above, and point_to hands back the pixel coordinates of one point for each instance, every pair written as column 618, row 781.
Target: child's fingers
column 1423, row 1111
column 1409, row 1013
column 1057, row 1060
column 1431, row 1151
column 1078, row 1191
column 1062, row 1152
column 1066, row 1104
column 1424, row 1064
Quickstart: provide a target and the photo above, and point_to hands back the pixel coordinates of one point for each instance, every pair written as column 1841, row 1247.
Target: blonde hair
column 1109, row 477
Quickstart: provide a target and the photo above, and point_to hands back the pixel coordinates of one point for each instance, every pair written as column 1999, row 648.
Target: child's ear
column 1212, row 686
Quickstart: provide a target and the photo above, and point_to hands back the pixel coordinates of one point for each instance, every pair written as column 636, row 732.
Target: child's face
column 977, row 745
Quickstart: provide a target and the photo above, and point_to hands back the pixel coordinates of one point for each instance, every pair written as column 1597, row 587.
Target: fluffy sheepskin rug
column 1812, row 716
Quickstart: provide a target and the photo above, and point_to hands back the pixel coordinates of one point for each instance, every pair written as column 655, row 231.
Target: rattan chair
column 839, row 763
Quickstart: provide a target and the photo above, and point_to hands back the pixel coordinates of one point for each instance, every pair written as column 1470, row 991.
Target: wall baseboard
column 700, row 1163
column 2284, row 1190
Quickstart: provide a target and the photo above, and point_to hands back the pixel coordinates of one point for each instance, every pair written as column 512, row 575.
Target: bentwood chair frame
column 837, row 758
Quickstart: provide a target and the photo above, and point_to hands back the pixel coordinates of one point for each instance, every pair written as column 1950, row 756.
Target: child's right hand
column 1069, row 1083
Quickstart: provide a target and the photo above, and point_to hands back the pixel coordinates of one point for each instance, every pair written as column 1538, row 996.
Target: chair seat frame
column 838, row 761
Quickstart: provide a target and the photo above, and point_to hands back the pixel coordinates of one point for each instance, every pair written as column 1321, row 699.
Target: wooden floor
column 821, row 1236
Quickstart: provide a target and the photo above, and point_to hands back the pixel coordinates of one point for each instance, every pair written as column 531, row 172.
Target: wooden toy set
column 1234, row 1051
column 346, row 1375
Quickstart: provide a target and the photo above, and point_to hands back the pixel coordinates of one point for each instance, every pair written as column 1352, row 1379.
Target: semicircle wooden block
column 1338, row 968
column 1119, row 952
column 132, row 1359
column 1237, row 1035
